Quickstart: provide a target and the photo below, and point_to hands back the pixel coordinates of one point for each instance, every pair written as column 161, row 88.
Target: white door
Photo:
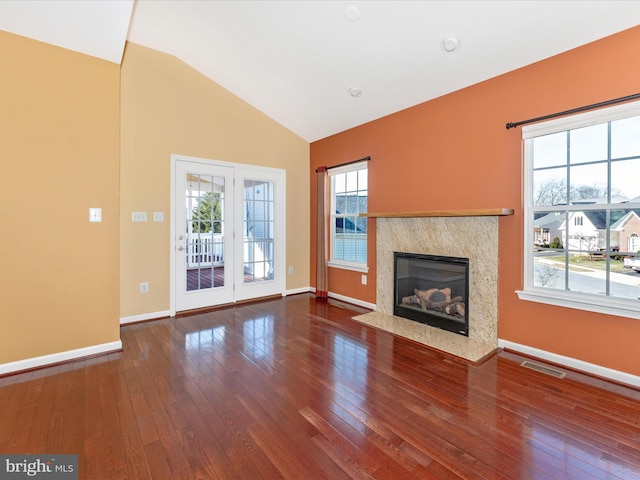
column 229, row 230
column 203, row 232
column 260, row 264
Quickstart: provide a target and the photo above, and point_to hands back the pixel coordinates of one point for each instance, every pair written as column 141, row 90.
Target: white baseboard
column 54, row 358
column 144, row 316
column 295, row 291
column 574, row 363
column 355, row 301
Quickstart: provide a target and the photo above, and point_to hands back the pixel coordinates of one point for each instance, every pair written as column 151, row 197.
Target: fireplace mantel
column 482, row 212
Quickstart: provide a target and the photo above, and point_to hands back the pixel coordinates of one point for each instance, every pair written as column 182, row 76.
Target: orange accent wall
column 59, row 145
column 454, row 152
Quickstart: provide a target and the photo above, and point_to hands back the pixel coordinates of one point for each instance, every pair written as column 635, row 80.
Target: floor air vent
column 543, row 369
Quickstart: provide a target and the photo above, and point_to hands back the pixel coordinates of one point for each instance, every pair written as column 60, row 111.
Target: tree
column 554, row 192
column 546, row 275
column 556, row 243
column 551, row 192
column 207, row 216
column 581, row 192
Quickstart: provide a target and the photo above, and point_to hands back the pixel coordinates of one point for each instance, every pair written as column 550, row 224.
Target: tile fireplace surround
column 468, row 234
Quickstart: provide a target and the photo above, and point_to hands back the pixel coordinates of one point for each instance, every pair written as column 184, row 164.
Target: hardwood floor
column 294, row 389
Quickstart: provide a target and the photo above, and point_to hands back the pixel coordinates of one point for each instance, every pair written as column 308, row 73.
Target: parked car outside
column 632, row 263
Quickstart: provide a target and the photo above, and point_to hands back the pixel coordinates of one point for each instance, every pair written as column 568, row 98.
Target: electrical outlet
column 144, row 287
column 364, row 279
column 138, row 216
column 290, row 270
column 158, row 216
column 95, row 215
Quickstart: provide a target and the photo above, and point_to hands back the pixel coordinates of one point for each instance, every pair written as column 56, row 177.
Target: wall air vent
column 543, row 369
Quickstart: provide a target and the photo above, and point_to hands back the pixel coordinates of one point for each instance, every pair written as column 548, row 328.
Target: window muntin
column 582, row 195
column 349, row 198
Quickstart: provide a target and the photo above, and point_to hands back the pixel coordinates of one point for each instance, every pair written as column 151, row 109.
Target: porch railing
column 205, row 249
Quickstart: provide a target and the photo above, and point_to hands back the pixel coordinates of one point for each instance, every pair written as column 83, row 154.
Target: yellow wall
column 169, row 108
column 59, row 145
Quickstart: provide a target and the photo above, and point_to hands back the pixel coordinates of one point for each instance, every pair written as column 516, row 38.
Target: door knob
column 180, row 237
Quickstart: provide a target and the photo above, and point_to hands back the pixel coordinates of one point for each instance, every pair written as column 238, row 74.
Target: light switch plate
column 138, row 216
column 95, row 215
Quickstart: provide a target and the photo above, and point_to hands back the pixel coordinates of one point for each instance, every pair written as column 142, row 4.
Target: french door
column 228, row 233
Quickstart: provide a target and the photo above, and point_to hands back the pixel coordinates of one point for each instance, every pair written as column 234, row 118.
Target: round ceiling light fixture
column 450, row 44
column 354, row 92
column 352, row 13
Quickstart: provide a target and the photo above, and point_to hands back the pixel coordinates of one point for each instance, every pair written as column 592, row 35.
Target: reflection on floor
column 294, row 388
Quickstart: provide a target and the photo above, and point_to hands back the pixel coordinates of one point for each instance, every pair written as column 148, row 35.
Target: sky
column 588, row 151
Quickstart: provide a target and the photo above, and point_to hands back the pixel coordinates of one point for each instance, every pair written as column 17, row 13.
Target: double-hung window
column 582, row 211
column 349, row 198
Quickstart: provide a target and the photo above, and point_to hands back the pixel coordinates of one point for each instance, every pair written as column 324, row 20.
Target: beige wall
column 169, row 108
column 59, row 144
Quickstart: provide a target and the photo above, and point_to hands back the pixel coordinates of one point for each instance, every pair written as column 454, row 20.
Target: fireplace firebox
column 433, row 290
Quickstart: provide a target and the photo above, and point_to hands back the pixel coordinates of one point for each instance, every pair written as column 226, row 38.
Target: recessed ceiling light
column 352, row 13
column 355, row 92
column 450, row 44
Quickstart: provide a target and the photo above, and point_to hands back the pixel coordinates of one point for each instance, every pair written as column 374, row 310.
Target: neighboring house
column 258, row 198
column 351, row 204
column 351, row 231
column 586, row 230
column 631, row 236
column 627, row 231
column 546, row 227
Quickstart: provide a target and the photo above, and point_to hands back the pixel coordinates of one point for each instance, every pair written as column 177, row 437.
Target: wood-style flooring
column 293, row 388
column 201, row 278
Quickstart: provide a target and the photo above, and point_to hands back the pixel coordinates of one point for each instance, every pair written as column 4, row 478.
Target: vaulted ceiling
column 296, row 61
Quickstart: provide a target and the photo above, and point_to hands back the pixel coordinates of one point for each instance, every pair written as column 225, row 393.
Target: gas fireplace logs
column 436, row 299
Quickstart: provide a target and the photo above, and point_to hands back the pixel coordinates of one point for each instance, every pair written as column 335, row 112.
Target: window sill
column 591, row 303
column 356, row 267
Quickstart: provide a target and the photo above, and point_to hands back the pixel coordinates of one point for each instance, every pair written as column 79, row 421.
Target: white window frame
column 628, row 308
column 338, row 263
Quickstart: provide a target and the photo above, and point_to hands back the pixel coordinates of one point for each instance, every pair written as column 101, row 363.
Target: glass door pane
column 258, row 230
column 204, row 233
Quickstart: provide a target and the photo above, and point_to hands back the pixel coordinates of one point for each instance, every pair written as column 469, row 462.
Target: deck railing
column 205, row 249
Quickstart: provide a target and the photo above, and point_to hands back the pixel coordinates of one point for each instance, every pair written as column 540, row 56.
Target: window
column 349, row 198
column 582, row 190
column 545, row 235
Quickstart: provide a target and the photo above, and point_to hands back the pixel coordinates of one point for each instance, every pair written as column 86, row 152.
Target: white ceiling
column 97, row 27
column 295, row 60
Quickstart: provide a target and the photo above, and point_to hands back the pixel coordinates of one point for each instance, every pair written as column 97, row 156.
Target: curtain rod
column 363, row 159
column 573, row 110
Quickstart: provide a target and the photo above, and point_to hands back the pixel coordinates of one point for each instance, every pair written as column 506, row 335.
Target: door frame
column 280, row 216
